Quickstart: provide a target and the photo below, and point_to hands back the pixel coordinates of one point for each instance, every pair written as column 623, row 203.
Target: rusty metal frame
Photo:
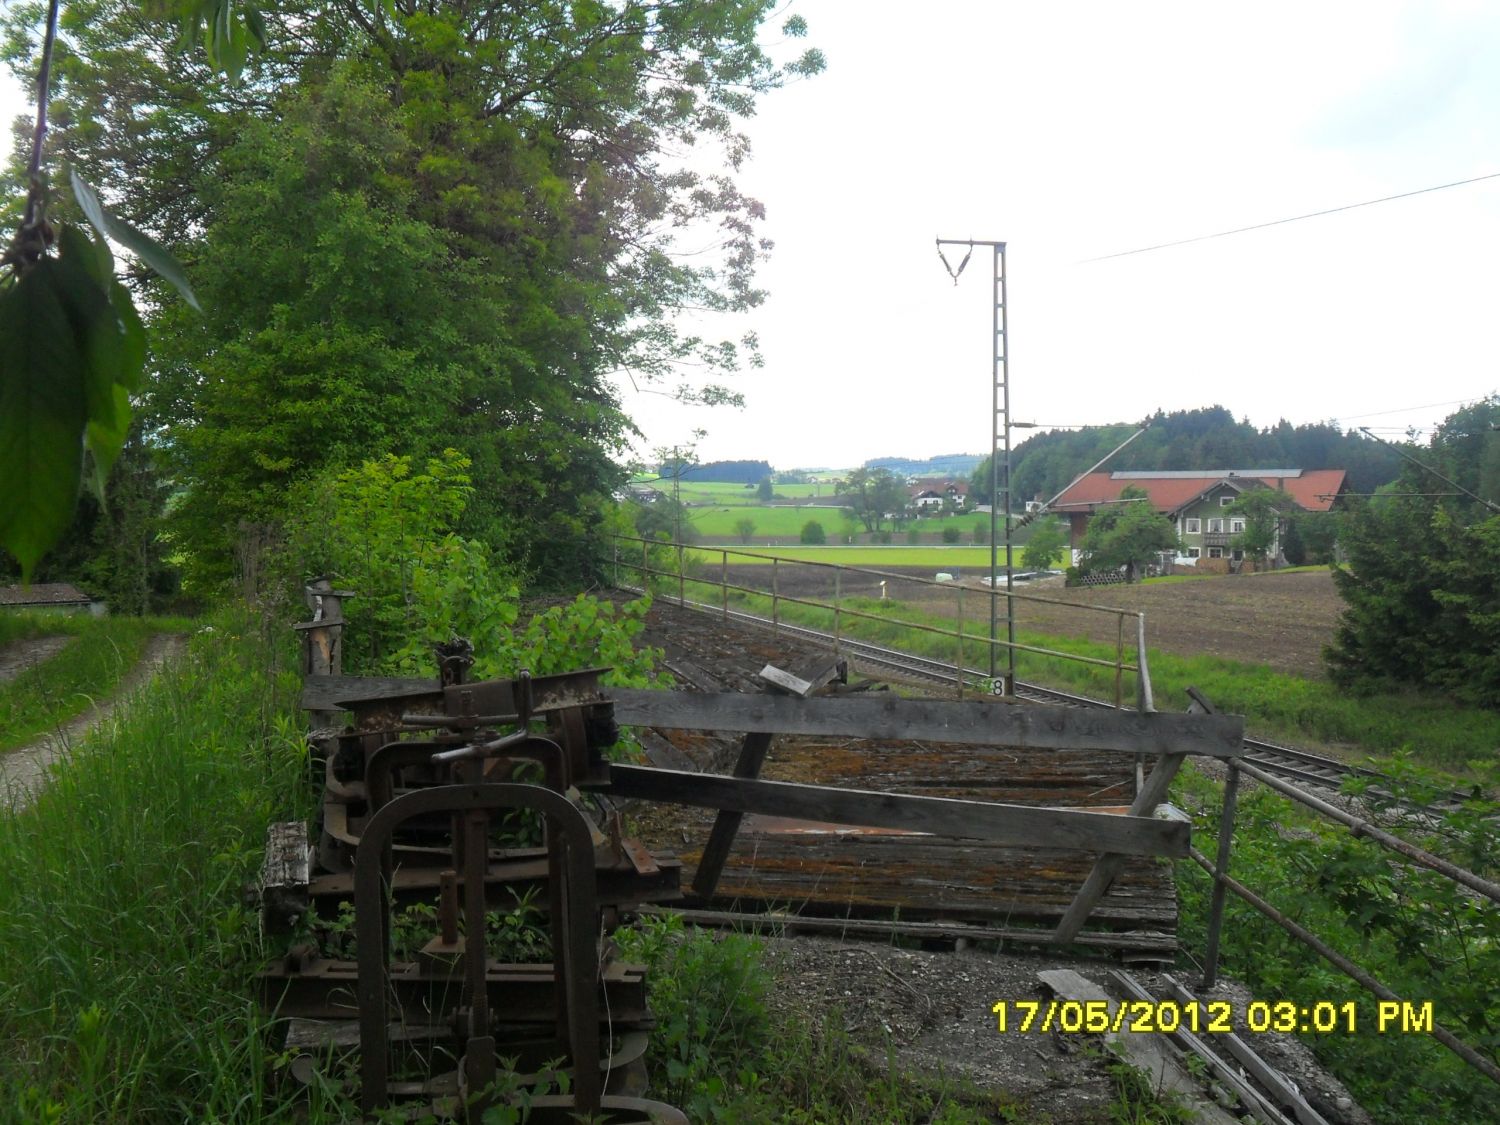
column 574, row 946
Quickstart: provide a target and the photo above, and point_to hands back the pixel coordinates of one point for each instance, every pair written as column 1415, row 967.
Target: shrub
column 951, row 534
column 813, row 533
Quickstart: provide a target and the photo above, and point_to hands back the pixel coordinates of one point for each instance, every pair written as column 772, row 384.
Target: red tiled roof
column 1312, row 489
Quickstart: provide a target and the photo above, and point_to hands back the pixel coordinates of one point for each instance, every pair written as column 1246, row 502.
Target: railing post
column 775, row 596
column 681, row 579
column 1119, row 661
column 1143, row 700
column 960, row 669
column 645, row 567
column 1221, row 870
column 838, row 589
column 724, row 582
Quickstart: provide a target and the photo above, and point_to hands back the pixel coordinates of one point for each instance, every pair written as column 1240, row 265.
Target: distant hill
column 733, row 472
column 943, row 465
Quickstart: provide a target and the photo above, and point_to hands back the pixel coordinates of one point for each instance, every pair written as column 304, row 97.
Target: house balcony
column 1217, row 538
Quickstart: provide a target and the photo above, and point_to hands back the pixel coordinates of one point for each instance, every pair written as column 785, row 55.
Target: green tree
column 813, row 533
column 1127, row 534
column 744, row 528
column 872, row 494
column 1048, row 538
column 764, row 490
column 445, row 223
column 1261, row 511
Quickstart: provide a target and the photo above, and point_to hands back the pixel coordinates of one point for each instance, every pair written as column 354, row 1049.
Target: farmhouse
column 927, row 493
column 1195, row 501
column 59, row 596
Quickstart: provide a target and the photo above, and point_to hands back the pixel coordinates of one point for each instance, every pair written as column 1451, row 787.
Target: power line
column 1291, row 219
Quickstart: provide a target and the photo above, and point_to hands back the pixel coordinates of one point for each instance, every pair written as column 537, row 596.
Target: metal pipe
column 1358, row 827
column 1347, row 967
column 1143, row 699
column 1216, row 904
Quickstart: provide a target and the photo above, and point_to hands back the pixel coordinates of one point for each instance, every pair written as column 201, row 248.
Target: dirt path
column 23, row 771
column 17, row 657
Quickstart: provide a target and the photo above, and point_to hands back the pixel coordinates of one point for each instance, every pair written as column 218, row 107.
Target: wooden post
column 322, row 637
column 752, row 756
column 775, row 598
column 724, row 584
column 1109, row 864
column 838, row 589
column 960, row 672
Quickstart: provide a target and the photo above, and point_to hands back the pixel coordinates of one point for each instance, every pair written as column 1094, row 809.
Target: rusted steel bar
column 1347, row 967
column 1359, row 827
column 1097, row 884
column 1221, row 868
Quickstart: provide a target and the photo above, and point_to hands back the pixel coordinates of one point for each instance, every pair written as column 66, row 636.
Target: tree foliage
column 1048, row 538
column 1422, row 586
column 1262, row 513
column 1127, row 534
column 1207, row 438
column 422, row 226
column 870, row 495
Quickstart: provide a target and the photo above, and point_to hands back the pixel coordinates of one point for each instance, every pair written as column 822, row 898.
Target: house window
column 1225, row 501
column 1193, row 526
column 1216, row 552
column 1192, row 552
column 1236, row 525
column 1215, row 525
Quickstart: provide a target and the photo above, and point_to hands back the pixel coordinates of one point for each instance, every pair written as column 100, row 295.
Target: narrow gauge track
column 1296, row 766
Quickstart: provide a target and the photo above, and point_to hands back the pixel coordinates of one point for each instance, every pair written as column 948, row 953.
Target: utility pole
column 1000, row 501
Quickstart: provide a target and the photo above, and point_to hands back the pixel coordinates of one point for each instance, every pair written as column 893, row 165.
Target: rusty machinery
column 413, row 793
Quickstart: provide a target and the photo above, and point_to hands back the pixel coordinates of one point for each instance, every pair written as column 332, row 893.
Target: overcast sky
column 1082, row 129
column 1076, row 130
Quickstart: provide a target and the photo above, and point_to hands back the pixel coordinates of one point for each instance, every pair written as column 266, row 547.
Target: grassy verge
column 937, row 556
column 1278, row 707
column 128, row 952
column 87, row 670
column 1414, row 931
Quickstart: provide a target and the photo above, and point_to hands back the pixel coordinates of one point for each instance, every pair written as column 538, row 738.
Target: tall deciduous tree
column 871, row 494
column 1128, row 534
column 428, row 225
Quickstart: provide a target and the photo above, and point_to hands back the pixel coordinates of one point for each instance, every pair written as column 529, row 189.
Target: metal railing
column 669, row 569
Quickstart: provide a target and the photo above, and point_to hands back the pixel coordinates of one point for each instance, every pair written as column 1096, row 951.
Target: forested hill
column 1205, row 438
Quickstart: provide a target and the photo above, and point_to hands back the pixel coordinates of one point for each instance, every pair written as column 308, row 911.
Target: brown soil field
column 1281, row 620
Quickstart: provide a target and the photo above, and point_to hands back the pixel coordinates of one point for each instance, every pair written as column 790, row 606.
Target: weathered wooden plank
column 727, row 823
column 284, row 874
column 1153, row 793
column 1015, row 824
column 325, row 693
column 976, row 722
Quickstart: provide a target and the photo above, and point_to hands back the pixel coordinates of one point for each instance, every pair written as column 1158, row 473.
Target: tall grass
column 125, row 946
column 86, row 670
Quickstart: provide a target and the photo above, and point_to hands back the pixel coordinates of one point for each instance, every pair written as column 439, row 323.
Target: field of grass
column 86, row 671
column 127, row 947
column 717, row 524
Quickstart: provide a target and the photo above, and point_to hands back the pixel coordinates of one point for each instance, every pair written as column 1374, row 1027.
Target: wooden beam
column 1153, row 793
column 721, row 839
column 1010, row 824
column 325, row 693
column 1038, row 726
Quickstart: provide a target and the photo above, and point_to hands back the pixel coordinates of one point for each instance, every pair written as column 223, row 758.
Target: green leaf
column 104, row 443
column 95, row 325
column 42, row 415
column 133, row 337
column 142, row 245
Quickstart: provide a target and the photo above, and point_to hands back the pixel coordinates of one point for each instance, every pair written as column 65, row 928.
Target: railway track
column 1299, row 767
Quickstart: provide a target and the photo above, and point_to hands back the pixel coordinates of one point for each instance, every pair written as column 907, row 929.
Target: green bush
column 951, row 534
column 813, row 533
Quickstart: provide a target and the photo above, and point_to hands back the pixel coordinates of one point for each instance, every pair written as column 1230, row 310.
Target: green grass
column 86, row 671
column 127, row 947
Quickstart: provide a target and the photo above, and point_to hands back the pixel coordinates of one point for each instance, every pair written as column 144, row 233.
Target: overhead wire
column 1291, row 218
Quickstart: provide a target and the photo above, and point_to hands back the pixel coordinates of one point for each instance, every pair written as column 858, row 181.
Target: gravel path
column 21, row 655
column 23, row 771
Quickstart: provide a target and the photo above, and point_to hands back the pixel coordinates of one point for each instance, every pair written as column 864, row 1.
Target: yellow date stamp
column 1211, row 1017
